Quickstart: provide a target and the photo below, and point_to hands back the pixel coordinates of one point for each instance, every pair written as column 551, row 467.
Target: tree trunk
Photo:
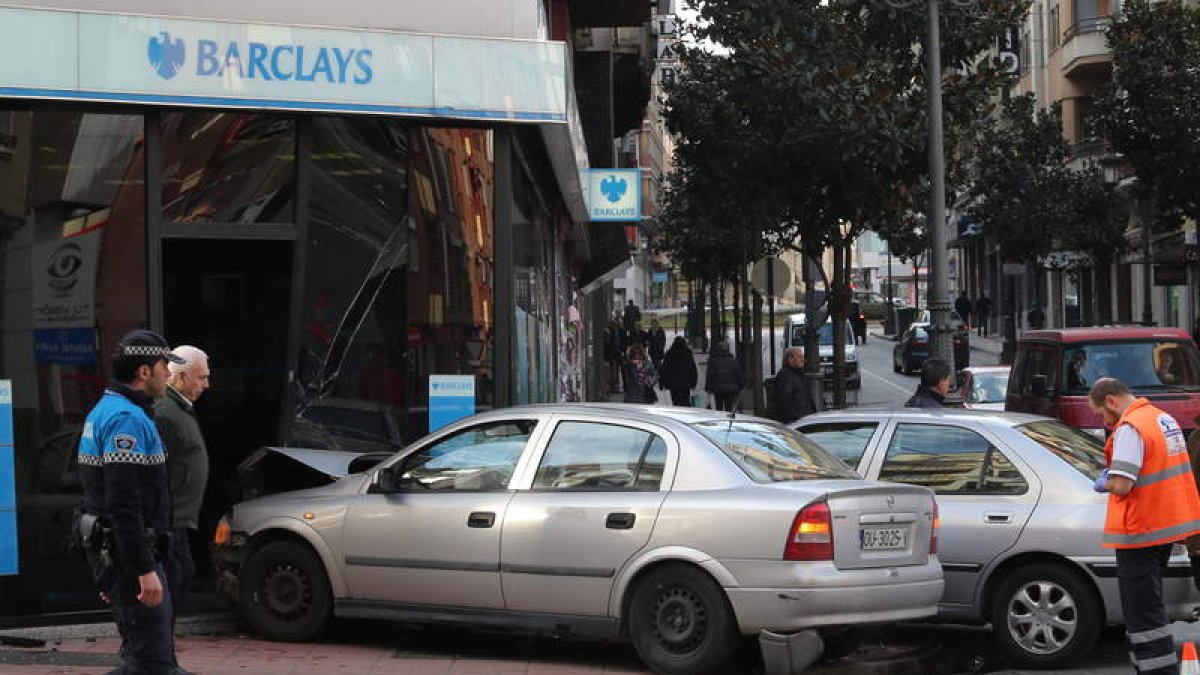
column 812, row 349
column 840, row 284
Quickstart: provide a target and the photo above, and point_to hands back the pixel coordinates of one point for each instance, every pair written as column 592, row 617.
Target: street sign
column 780, row 272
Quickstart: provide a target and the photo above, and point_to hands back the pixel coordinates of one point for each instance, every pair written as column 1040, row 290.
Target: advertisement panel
column 8, row 488
column 451, row 398
column 614, row 194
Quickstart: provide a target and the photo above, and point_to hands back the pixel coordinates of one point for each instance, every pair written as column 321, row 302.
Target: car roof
column 631, row 411
column 959, row 415
column 1100, row 333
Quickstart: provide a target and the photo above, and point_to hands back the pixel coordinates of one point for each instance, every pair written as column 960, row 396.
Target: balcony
column 1084, row 51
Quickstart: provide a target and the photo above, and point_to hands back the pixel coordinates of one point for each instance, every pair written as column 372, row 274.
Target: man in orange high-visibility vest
column 1152, row 503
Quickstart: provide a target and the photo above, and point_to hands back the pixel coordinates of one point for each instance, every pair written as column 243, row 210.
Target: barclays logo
column 165, row 56
column 614, row 188
column 261, row 61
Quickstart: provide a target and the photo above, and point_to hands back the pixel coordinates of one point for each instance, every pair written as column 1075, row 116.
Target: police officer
column 1152, row 503
column 123, row 469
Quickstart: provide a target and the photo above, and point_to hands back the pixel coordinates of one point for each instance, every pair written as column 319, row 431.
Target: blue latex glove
column 1099, row 485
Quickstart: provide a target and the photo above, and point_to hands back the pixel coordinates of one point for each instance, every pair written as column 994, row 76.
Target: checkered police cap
column 146, row 344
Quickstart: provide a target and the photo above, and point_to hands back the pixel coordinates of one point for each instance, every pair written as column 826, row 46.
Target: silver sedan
column 681, row 529
column 1021, row 526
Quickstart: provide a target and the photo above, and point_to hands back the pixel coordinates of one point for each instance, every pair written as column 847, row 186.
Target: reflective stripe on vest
column 1163, row 506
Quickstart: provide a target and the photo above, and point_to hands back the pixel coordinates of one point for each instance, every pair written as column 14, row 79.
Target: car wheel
column 284, row 592
column 1045, row 616
column 680, row 622
column 908, row 367
column 895, row 366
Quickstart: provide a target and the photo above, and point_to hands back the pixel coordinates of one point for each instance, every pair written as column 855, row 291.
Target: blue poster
column 65, row 346
column 660, row 277
column 8, row 487
column 451, row 398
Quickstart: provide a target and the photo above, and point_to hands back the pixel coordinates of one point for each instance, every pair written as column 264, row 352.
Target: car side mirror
column 387, row 480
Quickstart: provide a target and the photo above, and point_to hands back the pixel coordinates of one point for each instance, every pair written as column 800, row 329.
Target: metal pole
column 890, row 319
column 1147, row 272
column 771, row 308
column 939, row 298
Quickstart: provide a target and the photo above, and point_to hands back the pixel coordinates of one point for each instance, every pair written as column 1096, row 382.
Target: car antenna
column 736, row 402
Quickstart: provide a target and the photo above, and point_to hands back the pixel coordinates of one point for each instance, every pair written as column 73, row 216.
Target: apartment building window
column 1053, row 29
column 1025, row 52
column 1086, row 9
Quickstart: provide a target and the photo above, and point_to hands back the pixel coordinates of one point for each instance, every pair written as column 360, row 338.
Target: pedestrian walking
column 187, row 464
column 935, row 385
column 983, row 307
column 127, row 505
column 658, row 343
column 632, row 316
column 858, row 322
column 1152, row 503
column 639, row 376
column 1036, row 318
column 723, row 379
column 963, row 306
column 678, row 373
column 614, row 350
column 793, row 396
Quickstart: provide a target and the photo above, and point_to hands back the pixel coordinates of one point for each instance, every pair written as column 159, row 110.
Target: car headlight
column 1101, row 433
column 851, row 358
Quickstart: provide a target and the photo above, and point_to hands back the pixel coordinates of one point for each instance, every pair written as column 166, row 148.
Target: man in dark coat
column 935, row 384
column 983, row 307
column 723, row 377
column 187, row 464
column 963, row 306
column 793, row 396
column 658, row 343
column 678, row 373
column 632, row 316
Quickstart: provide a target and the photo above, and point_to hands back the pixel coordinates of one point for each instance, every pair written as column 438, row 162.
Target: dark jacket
column 963, row 306
column 724, row 374
column 637, row 391
column 793, row 397
column 124, row 473
column 925, row 398
column 187, row 457
column 658, row 343
column 983, row 306
column 678, row 370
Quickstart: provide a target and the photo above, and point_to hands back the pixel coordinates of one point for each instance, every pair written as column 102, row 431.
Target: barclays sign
column 261, row 61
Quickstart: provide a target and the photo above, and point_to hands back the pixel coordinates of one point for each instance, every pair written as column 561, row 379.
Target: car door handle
column 620, row 521
column 481, row 519
column 997, row 518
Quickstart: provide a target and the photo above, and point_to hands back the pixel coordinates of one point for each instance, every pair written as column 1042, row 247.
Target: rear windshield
column 770, row 453
column 824, row 334
column 1146, row 365
column 1084, row 453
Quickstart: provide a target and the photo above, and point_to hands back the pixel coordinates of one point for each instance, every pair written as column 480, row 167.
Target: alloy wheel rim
column 1042, row 617
column 680, row 620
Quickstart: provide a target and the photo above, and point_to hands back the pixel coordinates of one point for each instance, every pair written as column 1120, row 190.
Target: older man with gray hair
column 187, row 462
column 793, row 397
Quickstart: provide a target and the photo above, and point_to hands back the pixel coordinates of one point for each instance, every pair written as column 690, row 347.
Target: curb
column 200, row 624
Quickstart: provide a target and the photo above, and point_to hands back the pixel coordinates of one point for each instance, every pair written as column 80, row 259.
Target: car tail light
column 221, row 536
column 933, row 531
column 811, row 537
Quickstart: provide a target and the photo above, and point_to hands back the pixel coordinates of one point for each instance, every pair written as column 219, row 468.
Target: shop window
column 72, row 281
column 228, row 168
column 399, row 271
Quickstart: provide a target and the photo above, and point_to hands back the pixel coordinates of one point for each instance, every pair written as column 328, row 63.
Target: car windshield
column 988, row 387
column 364, row 424
column 824, row 334
column 1084, row 453
column 770, row 453
column 1142, row 365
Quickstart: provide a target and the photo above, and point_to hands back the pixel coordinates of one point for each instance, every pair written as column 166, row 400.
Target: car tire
column 1044, row 616
column 895, row 366
column 680, row 622
column 284, row 592
column 908, row 369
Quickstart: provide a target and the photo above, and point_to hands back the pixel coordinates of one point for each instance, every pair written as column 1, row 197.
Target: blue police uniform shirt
column 122, row 465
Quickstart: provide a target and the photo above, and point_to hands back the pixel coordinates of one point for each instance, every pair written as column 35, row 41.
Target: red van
column 1053, row 371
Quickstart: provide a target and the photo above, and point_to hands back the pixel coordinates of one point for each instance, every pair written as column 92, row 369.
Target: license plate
column 883, row 538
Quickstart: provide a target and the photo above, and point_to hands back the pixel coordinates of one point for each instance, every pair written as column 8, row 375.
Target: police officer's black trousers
column 1140, row 574
column 148, row 647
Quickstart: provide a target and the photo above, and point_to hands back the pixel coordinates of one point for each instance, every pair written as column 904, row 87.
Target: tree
column 1150, row 111
column 819, row 113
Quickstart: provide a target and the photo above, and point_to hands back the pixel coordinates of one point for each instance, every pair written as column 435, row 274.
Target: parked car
column 1021, row 527
column 874, row 305
column 682, row 529
column 913, row 347
column 983, row 387
column 794, row 332
column 1054, row 370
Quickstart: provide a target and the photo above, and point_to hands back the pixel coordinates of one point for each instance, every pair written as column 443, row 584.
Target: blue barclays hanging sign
column 8, row 488
column 144, row 59
column 451, row 398
column 614, row 195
